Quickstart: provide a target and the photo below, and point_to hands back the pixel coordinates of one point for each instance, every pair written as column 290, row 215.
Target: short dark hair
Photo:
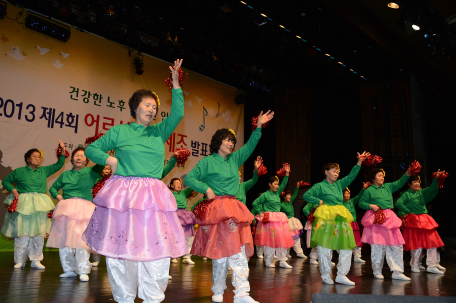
column 285, row 192
column 373, row 172
column 414, row 178
column 273, row 179
column 172, row 182
column 330, row 165
column 218, row 137
column 74, row 153
column 137, row 97
column 29, row 153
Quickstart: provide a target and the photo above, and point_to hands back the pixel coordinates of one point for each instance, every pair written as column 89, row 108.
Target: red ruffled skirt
column 420, row 233
column 355, row 227
column 387, row 233
column 274, row 234
column 223, row 228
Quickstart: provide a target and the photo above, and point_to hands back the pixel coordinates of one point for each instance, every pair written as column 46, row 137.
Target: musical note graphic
column 203, row 126
column 218, row 114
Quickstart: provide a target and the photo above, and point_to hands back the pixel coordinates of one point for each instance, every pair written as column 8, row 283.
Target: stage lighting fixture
column 258, row 19
column 138, row 62
column 2, row 10
column 393, row 5
column 48, row 27
column 415, row 27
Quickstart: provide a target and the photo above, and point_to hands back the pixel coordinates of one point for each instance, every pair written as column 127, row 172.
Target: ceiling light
column 298, row 37
column 393, row 5
column 340, row 62
column 243, row 2
column 328, row 55
column 282, row 26
column 415, row 27
column 264, row 15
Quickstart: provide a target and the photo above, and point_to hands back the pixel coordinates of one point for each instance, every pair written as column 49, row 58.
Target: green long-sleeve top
column 169, row 166
column 220, row 174
column 29, row 180
column 350, row 204
column 415, row 202
column 308, row 208
column 381, row 196
column 77, row 183
column 287, row 207
column 330, row 194
column 181, row 197
column 269, row 201
column 244, row 187
column 199, row 201
column 140, row 150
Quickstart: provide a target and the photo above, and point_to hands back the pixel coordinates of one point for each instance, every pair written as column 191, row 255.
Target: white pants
column 239, row 274
column 394, row 257
column 127, row 277
column 313, row 254
column 26, row 246
column 75, row 260
column 297, row 247
column 324, row 258
column 357, row 253
column 259, row 250
column 281, row 254
column 432, row 258
column 189, row 241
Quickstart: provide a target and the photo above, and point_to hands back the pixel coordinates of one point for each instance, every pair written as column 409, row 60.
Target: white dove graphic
column 64, row 55
column 43, row 51
column 16, row 54
column 57, row 63
column 211, row 112
column 227, row 116
column 199, row 99
column 186, row 93
column 189, row 103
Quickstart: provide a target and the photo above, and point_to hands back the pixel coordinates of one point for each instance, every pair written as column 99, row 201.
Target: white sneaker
column 84, row 277
column 68, row 274
column 272, row 265
column 333, row 264
column 399, row 276
column 247, row 299
column 188, row 261
column 440, row 267
column 359, row 260
column 328, row 281
column 204, row 259
column 173, row 260
column 19, row 265
column 37, row 265
column 169, row 277
column 379, row 276
column 217, row 297
column 421, row 267
column 434, row 270
column 284, row 264
column 301, row 255
column 344, row 280
column 415, row 269
column 313, row 262
column 260, row 257
column 95, row 264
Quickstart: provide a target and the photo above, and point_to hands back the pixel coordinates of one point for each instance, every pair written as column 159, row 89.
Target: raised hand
column 62, row 147
column 362, row 157
column 287, row 169
column 264, row 118
column 366, row 185
column 175, row 72
column 257, row 163
column 438, row 173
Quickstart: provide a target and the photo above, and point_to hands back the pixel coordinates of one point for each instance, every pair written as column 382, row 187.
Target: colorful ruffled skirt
column 69, row 221
column 420, row 233
column 295, row 227
column 223, row 228
column 274, row 233
column 331, row 228
column 387, row 233
column 30, row 217
column 187, row 220
column 355, row 227
column 308, row 228
column 135, row 218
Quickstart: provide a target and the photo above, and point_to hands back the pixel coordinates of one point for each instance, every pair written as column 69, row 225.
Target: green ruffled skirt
column 30, row 217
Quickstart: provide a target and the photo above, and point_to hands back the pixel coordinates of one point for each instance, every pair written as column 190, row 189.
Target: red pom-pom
column 404, row 221
column 282, row 194
column 90, row 140
column 441, row 179
column 303, row 184
column 262, row 170
column 414, row 168
column 266, row 218
column 99, row 185
column 372, row 160
column 379, row 216
column 311, row 217
column 182, row 77
column 281, row 172
column 183, row 156
column 49, row 215
column 58, row 152
column 255, row 123
column 253, row 230
column 201, row 209
column 12, row 208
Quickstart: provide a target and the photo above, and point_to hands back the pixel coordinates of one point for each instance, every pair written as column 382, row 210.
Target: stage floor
column 192, row 283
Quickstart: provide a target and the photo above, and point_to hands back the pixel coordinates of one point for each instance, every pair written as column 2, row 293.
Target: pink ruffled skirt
column 135, row 219
column 387, row 233
column 295, row 227
column 274, row 234
column 69, row 221
column 308, row 228
column 187, row 220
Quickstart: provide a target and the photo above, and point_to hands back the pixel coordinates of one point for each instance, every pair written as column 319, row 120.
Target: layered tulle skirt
column 30, row 217
column 420, row 233
column 223, row 228
column 295, row 227
column 275, row 233
column 135, row 218
column 69, row 221
column 331, row 228
column 355, row 227
column 187, row 220
column 387, row 233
